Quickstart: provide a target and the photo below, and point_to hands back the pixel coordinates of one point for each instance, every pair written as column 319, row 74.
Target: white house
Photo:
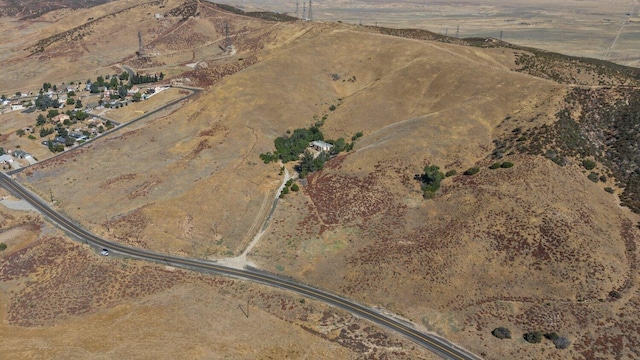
column 16, row 106
column 321, row 146
column 5, row 159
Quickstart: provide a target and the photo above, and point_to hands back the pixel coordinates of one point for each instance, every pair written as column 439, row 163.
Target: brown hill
column 533, row 247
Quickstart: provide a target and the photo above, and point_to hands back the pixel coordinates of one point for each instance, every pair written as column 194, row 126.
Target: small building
column 16, row 106
column 321, row 146
column 60, row 118
column 20, row 154
column 5, row 159
column 60, row 140
column 30, row 159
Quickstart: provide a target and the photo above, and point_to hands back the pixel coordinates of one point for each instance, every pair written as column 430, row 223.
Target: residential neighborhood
column 68, row 114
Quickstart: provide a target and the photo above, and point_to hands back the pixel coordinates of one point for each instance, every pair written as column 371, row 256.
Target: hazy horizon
column 587, row 28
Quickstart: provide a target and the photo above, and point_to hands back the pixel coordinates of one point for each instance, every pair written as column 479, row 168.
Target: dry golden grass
column 533, row 247
column 61, row 300
column 137, row 109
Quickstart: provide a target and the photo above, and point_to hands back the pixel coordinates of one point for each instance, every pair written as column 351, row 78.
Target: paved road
column 193, row 90
column 437, row 345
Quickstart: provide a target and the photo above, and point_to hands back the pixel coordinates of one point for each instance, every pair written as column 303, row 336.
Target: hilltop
column 543, row 241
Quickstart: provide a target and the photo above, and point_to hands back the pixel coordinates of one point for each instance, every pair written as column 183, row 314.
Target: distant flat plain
column 601, row 29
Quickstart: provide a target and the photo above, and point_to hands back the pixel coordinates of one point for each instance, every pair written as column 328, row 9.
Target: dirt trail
column 240, row 261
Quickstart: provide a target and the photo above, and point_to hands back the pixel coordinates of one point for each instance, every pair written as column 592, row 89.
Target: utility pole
column 246, row 313
column 446, row 31
column 297, row 4
column 304, row 10
column 310, row 13
column 458, row 31
column 500, row 35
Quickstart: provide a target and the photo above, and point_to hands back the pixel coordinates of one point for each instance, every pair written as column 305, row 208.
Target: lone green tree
column 431, row 179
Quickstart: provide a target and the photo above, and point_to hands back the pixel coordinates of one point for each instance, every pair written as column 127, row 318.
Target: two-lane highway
column 436, row 344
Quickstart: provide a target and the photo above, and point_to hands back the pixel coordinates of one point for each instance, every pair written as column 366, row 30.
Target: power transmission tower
column 458, row 31
column 297, row 4
column 446, row 31
column 140, row 45
column 304, row 10
column 310, row 13
column 500, row 35
column 226, row 34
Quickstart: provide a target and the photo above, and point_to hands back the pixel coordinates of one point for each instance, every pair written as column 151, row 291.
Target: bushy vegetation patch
column 430, row 180
column 501, row 333
column 596, row 126
column 472, row 171
column 534, row 337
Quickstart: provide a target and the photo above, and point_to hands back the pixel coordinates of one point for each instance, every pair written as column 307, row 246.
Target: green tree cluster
column 289, row 185
column 44, row 102
column 309, row 163
column 290, row 148
column 430, row 180
column 143, row 79
column 45, row 131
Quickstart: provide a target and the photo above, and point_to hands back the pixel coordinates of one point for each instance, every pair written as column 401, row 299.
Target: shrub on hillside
column 472, row 171
column 609, row 190
column 450, row 173
column 589, row 164
column 551, row 336
column 494, row 166
column 593, row 177
column 506, row 165
column 501, row 333
column 561, row 342
column 3, row 246
column 533, row 337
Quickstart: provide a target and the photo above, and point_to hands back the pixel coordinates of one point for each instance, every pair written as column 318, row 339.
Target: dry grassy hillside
column 62, row 300
column 533, row 247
